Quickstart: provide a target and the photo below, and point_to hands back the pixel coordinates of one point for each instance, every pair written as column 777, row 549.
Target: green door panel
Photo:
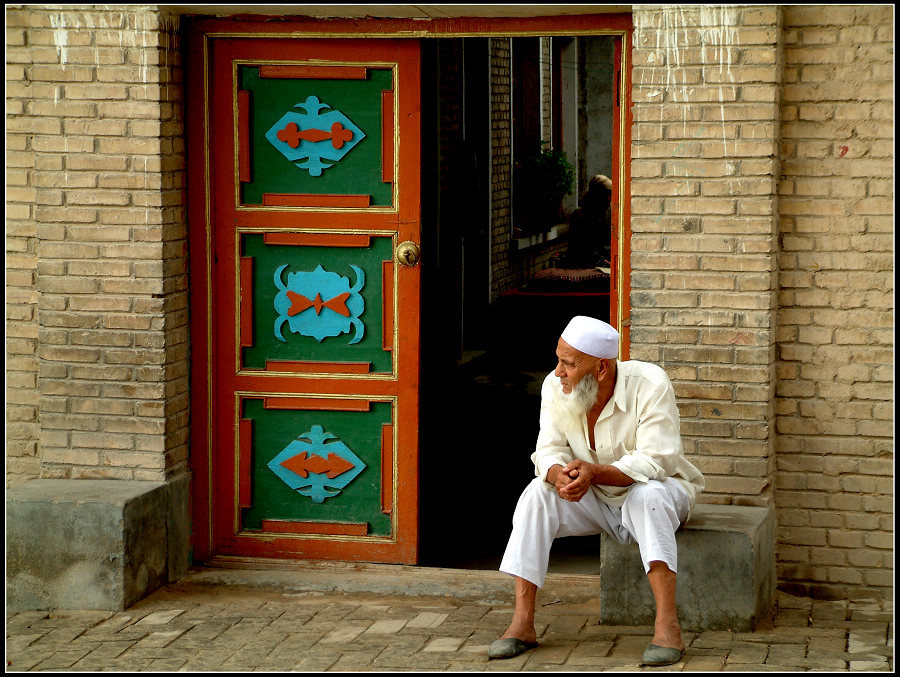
column 361, row 342
column 274, row 429
column 359, row 172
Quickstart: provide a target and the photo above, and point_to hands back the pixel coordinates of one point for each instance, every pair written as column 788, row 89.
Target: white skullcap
column 591, row 336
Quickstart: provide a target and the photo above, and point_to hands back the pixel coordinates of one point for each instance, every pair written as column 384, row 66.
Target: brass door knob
column 407, row 254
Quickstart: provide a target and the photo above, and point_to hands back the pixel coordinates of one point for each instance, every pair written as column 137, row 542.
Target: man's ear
column 608, row 366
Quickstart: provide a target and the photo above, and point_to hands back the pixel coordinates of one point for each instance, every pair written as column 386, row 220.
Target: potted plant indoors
column 542, row 180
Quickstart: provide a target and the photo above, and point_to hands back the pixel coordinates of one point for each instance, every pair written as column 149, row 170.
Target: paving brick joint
column 193, row 626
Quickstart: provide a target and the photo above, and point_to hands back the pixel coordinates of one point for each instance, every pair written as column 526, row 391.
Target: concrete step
column 490, row 587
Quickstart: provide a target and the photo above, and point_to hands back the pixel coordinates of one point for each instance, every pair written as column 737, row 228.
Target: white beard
column 569, row 410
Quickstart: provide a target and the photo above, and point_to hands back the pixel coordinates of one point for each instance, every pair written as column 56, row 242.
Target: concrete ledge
column 92, row 544
column 726, row 572
column 318, row 576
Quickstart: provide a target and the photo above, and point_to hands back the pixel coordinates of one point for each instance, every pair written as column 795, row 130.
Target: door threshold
column 312, row 576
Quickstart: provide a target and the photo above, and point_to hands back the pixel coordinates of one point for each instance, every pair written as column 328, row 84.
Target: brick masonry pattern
column 762, row 267
column 834, row 411
column 97, row 246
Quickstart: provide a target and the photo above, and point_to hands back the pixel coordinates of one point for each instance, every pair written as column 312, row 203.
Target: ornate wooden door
column 313, row 151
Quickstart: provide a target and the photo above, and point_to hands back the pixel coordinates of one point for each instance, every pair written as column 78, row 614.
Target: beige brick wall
column 762, row 267
column 97, row 322
column 21, row 266
column 704, row 218
column 546, row 69
column 503, row 274
column 511, row 267
column 834, row 400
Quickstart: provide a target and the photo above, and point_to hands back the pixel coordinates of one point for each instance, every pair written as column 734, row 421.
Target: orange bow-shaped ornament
column 299, row 303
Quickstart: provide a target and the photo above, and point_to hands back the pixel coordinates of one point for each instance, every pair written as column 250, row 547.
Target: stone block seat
column 726, row 572
column 90, row 544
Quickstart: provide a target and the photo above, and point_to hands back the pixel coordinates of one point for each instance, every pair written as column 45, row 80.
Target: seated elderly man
column 608, row 459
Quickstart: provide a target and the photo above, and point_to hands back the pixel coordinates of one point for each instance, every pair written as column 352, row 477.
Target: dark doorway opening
column 496, row 290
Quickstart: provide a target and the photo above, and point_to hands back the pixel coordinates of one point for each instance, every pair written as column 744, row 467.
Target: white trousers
column 651, row 514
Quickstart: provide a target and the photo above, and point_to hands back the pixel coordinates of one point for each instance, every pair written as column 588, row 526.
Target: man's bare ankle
column 523, row 632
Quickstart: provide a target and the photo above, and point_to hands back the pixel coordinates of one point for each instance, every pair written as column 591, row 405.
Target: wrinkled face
column 573, row 365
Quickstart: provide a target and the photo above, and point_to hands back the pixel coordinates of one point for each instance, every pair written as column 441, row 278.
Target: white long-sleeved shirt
column 637, row 432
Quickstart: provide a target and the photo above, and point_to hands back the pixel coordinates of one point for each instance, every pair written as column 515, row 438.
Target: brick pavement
column 200, row 627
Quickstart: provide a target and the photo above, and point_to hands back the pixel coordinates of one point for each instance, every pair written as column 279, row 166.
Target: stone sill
column 553, row 233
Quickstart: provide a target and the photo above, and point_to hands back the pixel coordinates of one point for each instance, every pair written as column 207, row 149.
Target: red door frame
column 620, row 278
column 197, row 72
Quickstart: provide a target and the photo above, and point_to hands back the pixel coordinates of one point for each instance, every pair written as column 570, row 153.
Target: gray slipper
column 661, row 655
column 509, row 647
